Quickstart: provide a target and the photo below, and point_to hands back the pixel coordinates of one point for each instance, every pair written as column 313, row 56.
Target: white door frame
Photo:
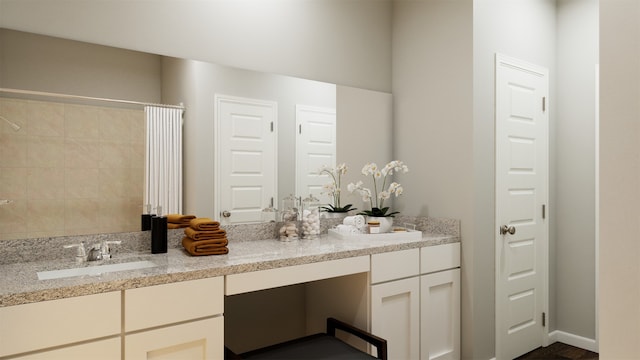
column 516, row 63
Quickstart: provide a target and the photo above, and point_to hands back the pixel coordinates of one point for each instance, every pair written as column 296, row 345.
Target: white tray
column 400, row 235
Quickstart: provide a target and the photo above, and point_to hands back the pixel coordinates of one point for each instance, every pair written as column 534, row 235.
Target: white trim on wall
column 573, row 340
column 597, row 203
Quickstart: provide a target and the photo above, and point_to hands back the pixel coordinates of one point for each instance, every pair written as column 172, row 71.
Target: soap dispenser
column 146, row 219
column 159, row 233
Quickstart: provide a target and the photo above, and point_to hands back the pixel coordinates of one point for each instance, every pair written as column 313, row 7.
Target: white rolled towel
column 355, row 220
column 347, row 229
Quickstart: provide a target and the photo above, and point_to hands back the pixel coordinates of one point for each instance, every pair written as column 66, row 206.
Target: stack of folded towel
column 178, row 221
column 205, row 237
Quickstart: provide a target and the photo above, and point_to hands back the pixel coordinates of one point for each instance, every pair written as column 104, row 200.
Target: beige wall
column 575, row 265
column 342, row 42
column 70, row 169
column 619, row 251
column 433, row 135
column 43, row 63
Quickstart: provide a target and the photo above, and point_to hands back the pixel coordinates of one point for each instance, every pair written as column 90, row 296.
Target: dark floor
column 559, row 351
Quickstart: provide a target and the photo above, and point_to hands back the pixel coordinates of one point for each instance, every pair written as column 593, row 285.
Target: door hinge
column 544, row 103
column 544, row 319
column 272, row 126
column 544, row 211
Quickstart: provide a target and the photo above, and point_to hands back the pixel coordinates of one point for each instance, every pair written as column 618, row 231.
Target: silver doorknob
column 504, row 229
column 226, row 214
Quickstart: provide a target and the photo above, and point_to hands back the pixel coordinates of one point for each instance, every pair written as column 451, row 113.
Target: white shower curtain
column 163, row 174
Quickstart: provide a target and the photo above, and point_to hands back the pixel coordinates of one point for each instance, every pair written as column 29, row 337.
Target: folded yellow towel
column 177, row 226
column 204, row 224
column 180, row 219
column 205, row 247
column 205, row 235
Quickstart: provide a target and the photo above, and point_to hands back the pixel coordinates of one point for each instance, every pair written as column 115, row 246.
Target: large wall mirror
column 47, row 64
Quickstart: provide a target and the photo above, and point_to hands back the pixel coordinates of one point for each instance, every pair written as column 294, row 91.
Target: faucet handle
column 81, row 252
column 105, row 249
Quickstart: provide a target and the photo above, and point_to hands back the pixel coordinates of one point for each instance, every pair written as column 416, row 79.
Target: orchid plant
column 332, row 188
column 379, row 195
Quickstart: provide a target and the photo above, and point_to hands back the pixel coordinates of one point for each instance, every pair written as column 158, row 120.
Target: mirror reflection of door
column 246, row 164
column 315, row 147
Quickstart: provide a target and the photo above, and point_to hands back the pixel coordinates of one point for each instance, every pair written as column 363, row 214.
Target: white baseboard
column 573, row 340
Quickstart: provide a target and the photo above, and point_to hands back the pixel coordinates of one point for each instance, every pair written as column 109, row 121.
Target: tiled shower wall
column 71, row 169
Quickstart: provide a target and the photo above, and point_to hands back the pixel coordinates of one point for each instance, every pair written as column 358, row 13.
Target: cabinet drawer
column 394, row 265
column 165, row 304
column 104, row 350
column 58, row 322
column 439, row 257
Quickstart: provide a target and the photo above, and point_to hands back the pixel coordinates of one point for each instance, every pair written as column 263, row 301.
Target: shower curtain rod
column 88, row 98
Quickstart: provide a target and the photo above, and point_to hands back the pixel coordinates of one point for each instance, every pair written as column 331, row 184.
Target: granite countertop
column 19, row 283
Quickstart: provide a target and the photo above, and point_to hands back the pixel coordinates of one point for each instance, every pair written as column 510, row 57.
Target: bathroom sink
column 94, row 270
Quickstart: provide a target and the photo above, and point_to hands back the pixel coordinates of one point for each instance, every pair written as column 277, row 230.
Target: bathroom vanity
column 406, row 291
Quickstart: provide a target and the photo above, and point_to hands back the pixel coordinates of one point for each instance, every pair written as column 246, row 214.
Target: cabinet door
column 197, row 340
column 98, row 350
column 46, row 324
column 440, row 315
column 395, row 316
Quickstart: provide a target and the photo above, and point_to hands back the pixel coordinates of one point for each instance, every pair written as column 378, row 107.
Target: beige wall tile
column 115, row 124
column 13, row 218
column 13, row 150
column 45, row 183
column 82, row 184
column 114, row 155
column 136, row 183
column 64, row 177
column 114, row 183
column 82, row 214
column 44, row 151
column 13, row 183
column 45, row 119
column 137, row 155
column 16, row 112
column 45, row 216
column 138, row 134
column 81, row 153
column 81, row 122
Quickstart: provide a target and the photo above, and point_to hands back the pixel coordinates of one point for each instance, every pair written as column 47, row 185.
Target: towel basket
column 319, row 346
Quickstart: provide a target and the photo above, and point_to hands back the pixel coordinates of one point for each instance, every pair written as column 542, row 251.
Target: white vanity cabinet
column 79, row 327
column 415, row 301
column 440, row 302
column 395, row 301
column 181, row 320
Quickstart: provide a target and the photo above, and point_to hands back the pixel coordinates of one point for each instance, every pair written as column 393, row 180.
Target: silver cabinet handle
column 226, row 214
column 504, row 229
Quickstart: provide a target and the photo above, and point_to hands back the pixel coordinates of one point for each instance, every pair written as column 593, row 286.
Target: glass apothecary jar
column 289, row 229
column 269, row 214
column 310, row 217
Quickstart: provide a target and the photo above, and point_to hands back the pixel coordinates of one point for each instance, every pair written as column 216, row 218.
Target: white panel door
column 440, row 315
column 521, row 195
column 315, row 147
column 246, row 165
column 395, row 316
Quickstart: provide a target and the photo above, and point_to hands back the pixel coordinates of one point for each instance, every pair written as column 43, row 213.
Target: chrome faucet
column 101, row 251
column 81, row 253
